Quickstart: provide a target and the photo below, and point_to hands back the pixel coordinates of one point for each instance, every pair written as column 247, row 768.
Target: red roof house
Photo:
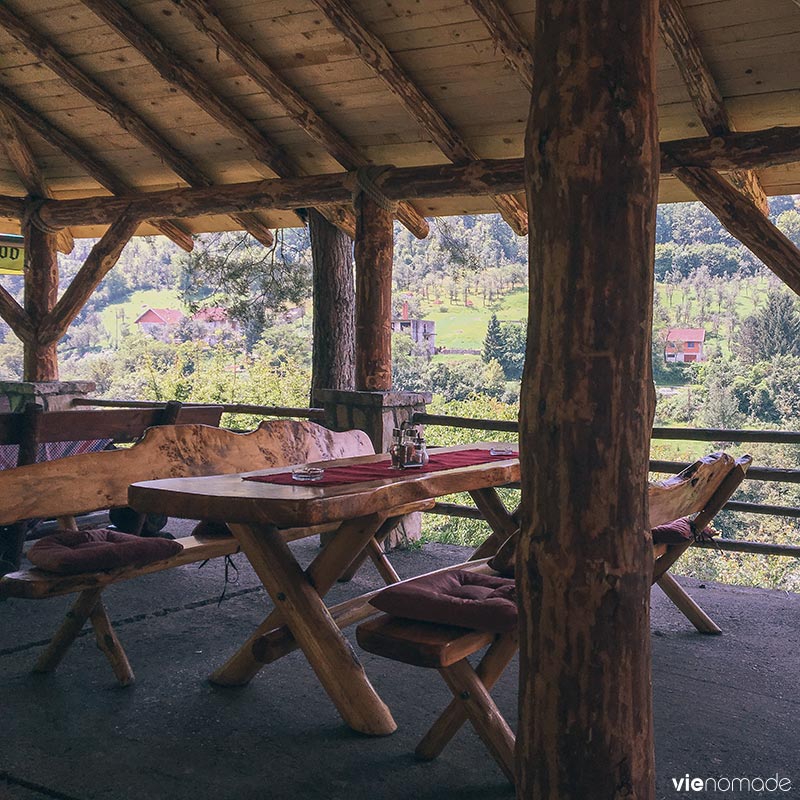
column 160, row 316
column 685, row 344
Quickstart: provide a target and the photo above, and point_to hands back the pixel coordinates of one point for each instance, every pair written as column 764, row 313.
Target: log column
column 374, row 250
column 333, row 351
column 585, row 560
column 40, row 362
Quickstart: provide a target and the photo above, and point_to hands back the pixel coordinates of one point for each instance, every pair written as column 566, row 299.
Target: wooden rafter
column 21, row 157
column 507, row 37
column 376, row 55
column 93, row 166
column 14, row 315
column 743, row 219
column 124, row 116
column 706, row 96
column 176, row 71
column 101, row 259
column 755, row 149
column 202, row 15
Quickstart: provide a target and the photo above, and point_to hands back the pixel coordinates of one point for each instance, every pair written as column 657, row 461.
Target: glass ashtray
column 502, row 451
column 308, row 474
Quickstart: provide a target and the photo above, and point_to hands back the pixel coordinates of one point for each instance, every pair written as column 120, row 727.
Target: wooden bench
column 29, row 429
column 96, row 481
column 701, row 490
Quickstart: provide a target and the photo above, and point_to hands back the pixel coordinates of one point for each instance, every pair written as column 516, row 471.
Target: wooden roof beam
column 15, row 315
column 21, row 157
column 376, row 55
column 507, row 37
column 125, row 117
column 203, row 16
column 478, row 178
column 176, row 71
column 706, row 96
column 102, row 257
column 93, row 167
column 744, row 220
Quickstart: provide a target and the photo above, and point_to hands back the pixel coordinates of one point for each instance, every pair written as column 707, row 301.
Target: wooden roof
column 443, row 48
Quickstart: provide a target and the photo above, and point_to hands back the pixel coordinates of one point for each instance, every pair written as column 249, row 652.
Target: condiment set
column 408, row 450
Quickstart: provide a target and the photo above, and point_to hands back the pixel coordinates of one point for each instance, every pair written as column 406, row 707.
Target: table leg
column 501, row 521
column 300, row 602
column 334, row 559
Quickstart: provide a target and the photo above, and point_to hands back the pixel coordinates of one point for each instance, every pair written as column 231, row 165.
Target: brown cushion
column 98, row 549
column 503, row 560
column 207, row 529
column 680, row 531
column 459, row 597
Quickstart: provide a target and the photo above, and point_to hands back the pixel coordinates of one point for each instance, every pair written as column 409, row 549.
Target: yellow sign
column 12, row 254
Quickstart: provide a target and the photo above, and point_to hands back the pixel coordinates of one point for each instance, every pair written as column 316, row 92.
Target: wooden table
column 265, row 516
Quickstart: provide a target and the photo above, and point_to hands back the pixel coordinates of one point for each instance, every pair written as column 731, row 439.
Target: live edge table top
column 229, row 498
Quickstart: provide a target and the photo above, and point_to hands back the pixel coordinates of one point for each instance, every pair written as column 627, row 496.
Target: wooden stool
column 446, row 648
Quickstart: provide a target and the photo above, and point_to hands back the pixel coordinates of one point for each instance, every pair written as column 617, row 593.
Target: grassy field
column 464, row 327
column 134, row 306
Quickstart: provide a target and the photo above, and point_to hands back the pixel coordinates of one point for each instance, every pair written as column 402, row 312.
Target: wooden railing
column 316, row 414
column 716, row 435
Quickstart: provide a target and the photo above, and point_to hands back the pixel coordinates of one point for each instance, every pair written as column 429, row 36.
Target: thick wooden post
column 333, row 352
column 374, row 250
column 585, row 561
column 40, row 362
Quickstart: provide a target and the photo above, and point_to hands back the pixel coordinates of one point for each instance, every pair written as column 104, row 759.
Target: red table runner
column 360, row 473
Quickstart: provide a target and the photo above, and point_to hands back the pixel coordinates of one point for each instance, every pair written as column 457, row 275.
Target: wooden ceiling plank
column 103, row 174
column 377, row 56
column 706, row 96
column 204, row 18
column 22, row 159
column 507, row 38
column 744, row 220
column 118, row 111
column 477, row 178
column 175, row 71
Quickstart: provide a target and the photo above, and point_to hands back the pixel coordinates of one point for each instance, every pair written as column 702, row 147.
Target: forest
column 469, row 277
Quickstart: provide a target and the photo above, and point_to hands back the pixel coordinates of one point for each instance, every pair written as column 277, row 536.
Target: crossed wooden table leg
column 301, row 618
column 298, row 598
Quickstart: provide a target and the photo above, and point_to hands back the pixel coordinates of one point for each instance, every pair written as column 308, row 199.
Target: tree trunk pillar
column 374, row 250
column 333, row 350
column 585, row 558
column 40, row 361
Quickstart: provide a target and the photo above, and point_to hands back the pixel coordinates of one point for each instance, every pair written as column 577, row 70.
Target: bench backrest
column 94, row 481
column 119, row 424
column 702, row 488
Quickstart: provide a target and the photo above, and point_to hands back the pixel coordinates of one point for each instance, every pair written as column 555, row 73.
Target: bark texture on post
column 40, row 362
column 585, row 559
column 333, row 350
column 374, row 251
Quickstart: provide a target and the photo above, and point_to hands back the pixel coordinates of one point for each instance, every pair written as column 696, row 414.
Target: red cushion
column 206, row 529
column 459, row 597
column 680, row 531
column 94, row 550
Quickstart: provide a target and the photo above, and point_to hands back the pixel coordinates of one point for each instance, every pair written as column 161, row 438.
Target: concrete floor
column 724, row 706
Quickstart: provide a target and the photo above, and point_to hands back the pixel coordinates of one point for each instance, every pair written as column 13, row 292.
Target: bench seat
column 36, row 584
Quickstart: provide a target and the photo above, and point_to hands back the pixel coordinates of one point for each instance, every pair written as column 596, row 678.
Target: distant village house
column 156, row 321
column 422, row 331
column 212, row 323
column 685, row 345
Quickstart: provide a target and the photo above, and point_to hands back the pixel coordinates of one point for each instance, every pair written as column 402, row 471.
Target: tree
column 249, row 280
column 772, row 331
column 493, row 344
